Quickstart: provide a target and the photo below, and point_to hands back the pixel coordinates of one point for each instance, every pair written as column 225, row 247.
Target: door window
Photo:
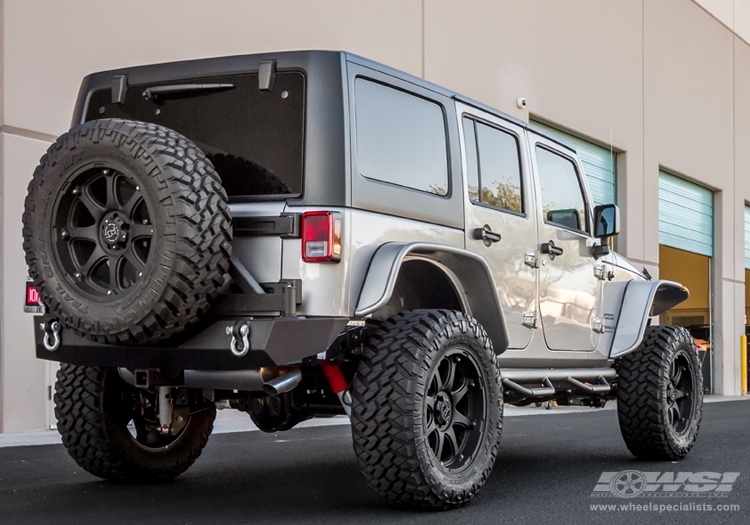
column 563, row 203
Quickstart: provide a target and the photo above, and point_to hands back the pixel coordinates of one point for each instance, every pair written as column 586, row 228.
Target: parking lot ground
column 547, row 469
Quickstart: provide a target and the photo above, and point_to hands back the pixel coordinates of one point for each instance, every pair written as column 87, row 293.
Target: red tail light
column 321, row 236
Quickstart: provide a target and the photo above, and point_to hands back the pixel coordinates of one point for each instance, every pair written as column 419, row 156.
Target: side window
column 472, row 159
column 400, row 138
column 494, row 174
column 562, row 198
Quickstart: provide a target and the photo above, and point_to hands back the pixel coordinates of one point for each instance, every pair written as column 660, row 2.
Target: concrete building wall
column 688, row 130
column 2, row 193
column 573, row 69
column 664, row 81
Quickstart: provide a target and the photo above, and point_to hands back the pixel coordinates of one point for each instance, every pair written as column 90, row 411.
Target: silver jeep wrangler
column 305, row 234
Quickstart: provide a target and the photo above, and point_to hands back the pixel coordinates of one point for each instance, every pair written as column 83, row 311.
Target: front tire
column 660, row 395
column 93, row 407
column 427, row 409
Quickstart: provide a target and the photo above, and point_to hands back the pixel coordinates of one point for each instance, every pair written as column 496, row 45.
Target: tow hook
column 241, row 333
column 51, row 331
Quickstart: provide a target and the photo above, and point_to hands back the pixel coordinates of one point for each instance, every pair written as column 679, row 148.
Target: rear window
column 253, row 138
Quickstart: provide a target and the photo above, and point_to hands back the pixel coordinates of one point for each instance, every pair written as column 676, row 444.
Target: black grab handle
column 485, row 234
column 551, row 249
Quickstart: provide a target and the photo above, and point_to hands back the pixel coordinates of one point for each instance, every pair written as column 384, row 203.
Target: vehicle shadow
column 545, row 467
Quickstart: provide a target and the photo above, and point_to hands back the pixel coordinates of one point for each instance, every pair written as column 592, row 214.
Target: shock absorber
column 165, row 408
column 338, row 384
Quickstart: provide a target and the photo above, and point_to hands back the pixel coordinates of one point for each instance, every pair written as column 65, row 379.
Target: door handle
column 487, row 235
column 550, row 249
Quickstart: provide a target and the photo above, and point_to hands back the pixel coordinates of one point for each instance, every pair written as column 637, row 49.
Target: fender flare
column 641, row 300
column 472, row 272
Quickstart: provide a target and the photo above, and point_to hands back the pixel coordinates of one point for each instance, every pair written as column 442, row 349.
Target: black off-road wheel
column 111, row 429
column 660, row 395
column 427, row 409
column 127, row 231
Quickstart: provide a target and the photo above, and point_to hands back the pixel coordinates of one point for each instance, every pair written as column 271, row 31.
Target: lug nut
column 78, row 276
column 105, row 172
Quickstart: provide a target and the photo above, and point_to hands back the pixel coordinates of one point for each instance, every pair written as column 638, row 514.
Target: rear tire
column 93, row 407
column 660, row 395
column 427, row 409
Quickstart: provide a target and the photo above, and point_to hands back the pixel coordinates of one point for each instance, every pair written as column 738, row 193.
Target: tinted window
column 472, row 159
column 254, row 138
column 494, row 166
column 562, row 198
column 400, row 138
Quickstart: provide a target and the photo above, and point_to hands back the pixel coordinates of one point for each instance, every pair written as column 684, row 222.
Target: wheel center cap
column 443, row 410
column 113, row 230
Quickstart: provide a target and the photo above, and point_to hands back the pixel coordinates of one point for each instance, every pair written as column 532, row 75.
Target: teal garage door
column 686, row 215
column 599, row 165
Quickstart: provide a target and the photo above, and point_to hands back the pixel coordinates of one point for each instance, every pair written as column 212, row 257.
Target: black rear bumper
column 273, row 341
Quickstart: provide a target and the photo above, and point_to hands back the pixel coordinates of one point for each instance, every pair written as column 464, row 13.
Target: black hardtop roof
column 245, row 63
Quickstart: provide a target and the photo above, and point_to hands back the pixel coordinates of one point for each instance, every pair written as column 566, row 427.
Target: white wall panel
column 24, row 376
column 54, row 44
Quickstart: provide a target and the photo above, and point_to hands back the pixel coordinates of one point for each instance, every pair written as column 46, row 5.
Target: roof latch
column 119, row 89
column 266, row 74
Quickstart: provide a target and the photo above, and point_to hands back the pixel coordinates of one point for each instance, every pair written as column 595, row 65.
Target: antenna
column 611, row 153
column 612, row 240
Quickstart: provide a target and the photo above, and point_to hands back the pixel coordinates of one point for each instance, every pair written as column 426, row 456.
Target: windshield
column 253, row 138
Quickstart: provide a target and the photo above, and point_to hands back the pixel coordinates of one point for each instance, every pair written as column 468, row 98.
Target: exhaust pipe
column 283, row 383
column 250, row 380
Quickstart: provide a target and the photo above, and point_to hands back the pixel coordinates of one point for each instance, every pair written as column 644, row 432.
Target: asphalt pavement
column 547, row 471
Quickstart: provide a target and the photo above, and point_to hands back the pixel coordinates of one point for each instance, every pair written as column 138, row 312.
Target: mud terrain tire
column 127, row 231
column 660, row 395
column 427, row 409
column 93, row 407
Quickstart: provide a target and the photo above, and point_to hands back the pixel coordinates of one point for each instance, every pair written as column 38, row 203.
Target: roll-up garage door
column 747, row 240
column 598, row 165
column 686, row 215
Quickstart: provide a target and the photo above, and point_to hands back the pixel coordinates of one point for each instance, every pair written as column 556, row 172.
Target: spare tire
column 127, row 231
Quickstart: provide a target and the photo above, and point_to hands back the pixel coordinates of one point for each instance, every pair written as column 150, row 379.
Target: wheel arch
column 641, row 300
column 471, row 279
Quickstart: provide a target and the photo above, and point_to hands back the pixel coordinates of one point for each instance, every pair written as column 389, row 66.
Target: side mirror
column 606, row 221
